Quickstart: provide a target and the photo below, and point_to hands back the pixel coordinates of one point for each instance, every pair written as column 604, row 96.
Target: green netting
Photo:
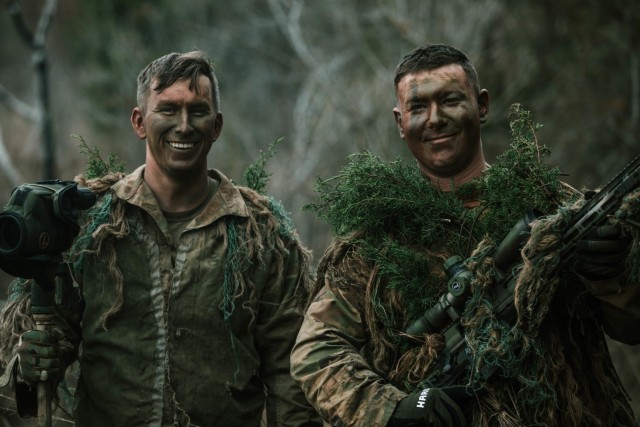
column 99, row 214
column 286, row 227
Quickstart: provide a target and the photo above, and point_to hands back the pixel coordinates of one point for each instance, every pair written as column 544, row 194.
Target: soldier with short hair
column 354, row 358
column 185, row 291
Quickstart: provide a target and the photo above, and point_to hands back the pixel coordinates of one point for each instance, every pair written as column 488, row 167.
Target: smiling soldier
column 189, row 289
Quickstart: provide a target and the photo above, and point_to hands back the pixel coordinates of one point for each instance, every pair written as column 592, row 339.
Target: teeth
column 181, row 144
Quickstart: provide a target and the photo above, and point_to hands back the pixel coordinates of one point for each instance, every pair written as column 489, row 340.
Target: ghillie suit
column 269, row 230
column 394, row 231
column 237, row 279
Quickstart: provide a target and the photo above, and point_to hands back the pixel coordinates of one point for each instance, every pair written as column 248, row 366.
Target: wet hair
column 432, row 56
column 166, row 70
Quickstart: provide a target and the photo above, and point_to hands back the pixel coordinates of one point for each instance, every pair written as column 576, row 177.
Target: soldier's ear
column 397, row 115
column 137, row 122
column 483, row 105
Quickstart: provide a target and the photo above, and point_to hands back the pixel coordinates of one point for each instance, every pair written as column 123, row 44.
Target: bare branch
column 44, row 23
column 12, row 173
column 19, row 107
column 290, row 24
column 18, row 21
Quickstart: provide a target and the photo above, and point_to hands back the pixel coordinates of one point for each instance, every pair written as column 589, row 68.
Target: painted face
column 180, row 126
column 439, row 115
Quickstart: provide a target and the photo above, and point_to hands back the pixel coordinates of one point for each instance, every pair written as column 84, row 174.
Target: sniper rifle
column 457, row 356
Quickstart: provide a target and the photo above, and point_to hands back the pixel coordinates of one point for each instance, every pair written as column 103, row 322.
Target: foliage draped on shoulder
column 392, row 198
column 397, row 215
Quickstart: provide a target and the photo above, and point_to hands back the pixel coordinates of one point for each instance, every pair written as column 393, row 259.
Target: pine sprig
column 96, row 166
column 379, row 198
column 520, row 179
column 256, row 176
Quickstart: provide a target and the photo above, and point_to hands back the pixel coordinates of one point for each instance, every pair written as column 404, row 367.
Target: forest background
column 319, row 74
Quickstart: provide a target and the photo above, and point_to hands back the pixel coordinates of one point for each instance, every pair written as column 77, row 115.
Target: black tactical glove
column 600, row 259
column 40, row 357
column 432, row 407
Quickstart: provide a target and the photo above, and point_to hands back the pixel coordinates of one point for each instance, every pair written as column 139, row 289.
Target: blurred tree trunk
column 36, row 40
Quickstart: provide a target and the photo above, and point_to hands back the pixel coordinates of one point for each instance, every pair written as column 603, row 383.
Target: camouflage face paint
column 440, row 119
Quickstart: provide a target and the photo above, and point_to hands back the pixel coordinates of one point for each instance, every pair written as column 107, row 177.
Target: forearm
column 335, row 377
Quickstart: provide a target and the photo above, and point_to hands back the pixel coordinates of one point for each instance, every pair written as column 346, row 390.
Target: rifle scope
column 450, row 305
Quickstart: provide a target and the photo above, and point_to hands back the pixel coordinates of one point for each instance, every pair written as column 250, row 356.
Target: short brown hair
column 166, row 70
column 429, row 57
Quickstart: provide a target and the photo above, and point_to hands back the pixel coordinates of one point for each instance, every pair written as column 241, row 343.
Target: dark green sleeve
column 281, row 311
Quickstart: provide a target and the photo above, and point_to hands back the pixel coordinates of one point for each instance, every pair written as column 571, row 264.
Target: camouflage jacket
column 183, row 349
column 334, row 356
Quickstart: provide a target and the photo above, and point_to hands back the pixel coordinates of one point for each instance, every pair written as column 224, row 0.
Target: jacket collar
column 226, row 201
